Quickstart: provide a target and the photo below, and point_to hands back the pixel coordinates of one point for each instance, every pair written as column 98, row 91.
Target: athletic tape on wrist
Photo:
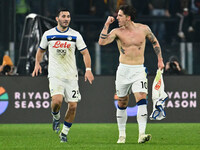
column 88, row 69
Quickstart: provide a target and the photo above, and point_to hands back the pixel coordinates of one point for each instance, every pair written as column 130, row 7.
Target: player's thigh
column 122, row 90
column 140, row 84
column 122, row 84
column 56, row 87
column 72, row 93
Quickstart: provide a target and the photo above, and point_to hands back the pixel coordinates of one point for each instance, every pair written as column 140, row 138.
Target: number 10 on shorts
column 144, row 84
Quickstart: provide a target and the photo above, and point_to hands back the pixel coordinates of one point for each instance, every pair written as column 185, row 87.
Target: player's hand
column 37, row 69
column 110, row 20
column 89, row 76
column 161, row 65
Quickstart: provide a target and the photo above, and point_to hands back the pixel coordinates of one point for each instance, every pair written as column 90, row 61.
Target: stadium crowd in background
column 88, row 16
column 184, row 9
column 159, row 8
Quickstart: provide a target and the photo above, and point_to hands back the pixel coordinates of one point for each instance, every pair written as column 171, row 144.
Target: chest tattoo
column 122, row 50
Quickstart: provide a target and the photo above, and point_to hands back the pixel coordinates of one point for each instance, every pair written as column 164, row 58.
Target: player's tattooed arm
column 156, row 47
column 103, row 36
column 154, row 41
column 106, row 38
column 157, row 50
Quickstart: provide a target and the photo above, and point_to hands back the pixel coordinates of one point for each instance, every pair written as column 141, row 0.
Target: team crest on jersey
column 69, row 38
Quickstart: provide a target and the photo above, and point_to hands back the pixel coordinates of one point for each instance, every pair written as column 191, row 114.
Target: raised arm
column 104, row 37
column 38, row 59
column 87, row 60
column 156, row 47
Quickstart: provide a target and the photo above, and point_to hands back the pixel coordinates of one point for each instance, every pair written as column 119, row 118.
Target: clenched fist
column 110, row 20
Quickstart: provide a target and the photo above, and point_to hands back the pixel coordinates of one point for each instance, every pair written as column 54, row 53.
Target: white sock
column 121, row 121
column 142, row 118
column 65, row 129
column 56, row 115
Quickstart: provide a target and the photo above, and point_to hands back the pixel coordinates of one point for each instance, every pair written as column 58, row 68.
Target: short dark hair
column 129, row 11
column 60, row 10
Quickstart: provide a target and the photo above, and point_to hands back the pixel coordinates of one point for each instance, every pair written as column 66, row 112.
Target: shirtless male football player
column 131, row 75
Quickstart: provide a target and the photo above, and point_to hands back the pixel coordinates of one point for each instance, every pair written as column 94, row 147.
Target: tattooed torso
column 131, row 45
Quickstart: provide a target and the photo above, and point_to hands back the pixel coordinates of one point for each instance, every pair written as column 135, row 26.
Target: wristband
column 88, row 69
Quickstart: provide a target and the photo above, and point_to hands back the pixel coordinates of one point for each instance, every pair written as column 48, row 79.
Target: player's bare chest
column 132, row 38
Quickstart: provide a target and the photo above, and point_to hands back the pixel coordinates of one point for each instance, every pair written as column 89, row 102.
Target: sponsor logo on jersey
column 59, row 44
column 61, row 52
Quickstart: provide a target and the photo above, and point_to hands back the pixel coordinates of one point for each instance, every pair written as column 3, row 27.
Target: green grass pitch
column 165, row 136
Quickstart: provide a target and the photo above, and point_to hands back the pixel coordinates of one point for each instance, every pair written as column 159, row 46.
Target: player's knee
column 72, row 107
column 123, row 102
column 57, row 100
column 140, row 96
column 56, row 104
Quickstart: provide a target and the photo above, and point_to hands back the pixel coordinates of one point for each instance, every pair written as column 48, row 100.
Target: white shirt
column 61, row 47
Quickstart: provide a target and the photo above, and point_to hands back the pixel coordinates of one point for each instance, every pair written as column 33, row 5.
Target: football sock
column 66, row 127
column 56, row 115
column 121, row 120
column 142, row 116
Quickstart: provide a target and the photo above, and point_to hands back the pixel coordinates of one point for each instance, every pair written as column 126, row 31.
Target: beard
column 63, row 24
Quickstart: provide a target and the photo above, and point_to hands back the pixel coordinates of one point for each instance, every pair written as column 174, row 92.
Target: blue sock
column 67, row 124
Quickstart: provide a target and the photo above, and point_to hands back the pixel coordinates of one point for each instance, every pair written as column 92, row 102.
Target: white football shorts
column 68, row 88
column 131, row 78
